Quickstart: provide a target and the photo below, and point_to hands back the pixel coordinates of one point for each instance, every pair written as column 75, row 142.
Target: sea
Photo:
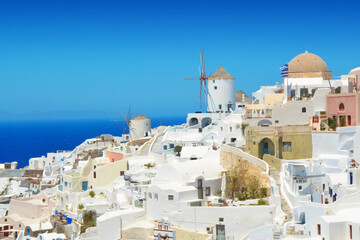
column 22, row 140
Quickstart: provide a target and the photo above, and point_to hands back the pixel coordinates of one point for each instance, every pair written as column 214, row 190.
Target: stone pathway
column 284, row 205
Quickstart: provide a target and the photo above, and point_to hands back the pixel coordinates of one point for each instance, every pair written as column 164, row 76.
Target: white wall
column 324, row 143
column 110, row 224
column 224, row 94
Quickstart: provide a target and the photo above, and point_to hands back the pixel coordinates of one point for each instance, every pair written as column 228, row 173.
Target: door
column 200, row 189
column 265, row 148
column 220, row 232
column 84, row 185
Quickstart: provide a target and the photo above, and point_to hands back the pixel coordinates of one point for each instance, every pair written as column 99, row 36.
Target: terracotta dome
column 355, row 71
column 240, row 96
column 308, row 65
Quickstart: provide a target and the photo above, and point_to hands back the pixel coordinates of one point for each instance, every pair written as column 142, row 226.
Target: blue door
column 265, row 148
column 28, row 232
column 84, row 185
column 351, row 178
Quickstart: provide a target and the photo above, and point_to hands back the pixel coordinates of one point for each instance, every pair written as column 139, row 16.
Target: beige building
column 285, row 142
column 25, row 211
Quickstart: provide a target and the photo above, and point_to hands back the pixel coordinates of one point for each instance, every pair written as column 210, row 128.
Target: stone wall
column 230, row 157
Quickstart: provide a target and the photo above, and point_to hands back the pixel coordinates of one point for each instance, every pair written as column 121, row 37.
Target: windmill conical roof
column 140, row 117
column 221, row 74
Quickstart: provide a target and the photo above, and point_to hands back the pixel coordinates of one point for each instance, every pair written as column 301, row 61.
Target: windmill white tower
column 221, row 91
column 139, row 127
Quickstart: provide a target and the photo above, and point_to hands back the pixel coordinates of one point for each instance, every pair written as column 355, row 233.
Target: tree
column 177, row 150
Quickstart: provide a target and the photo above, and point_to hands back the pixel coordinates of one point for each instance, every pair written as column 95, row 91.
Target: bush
column 342, row 121
column 332, row 123
column 92, row 194
column 262, row 202
column 338, row 90
column 81, row 206
column 263, row 192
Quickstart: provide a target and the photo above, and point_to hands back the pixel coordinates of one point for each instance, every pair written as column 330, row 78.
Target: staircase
column 284, row 205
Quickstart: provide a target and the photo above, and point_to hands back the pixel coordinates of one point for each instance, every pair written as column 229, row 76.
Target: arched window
column 341, row 107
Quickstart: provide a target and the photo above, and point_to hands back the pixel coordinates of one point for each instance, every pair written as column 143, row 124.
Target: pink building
column 344, row 107
column 114, row 156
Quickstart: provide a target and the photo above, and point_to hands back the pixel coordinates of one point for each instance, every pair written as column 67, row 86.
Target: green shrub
column 81, row 206
column 332, row 123
column 92, row 194
column 342, row 121
column 262, row 202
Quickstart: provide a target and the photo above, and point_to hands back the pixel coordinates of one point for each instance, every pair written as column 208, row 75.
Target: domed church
column 308, row 65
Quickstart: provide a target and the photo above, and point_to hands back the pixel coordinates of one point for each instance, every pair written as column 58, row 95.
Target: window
column 221, row 219
column 150, row 195
column 233, row 140
column 172, row 145
column 319, row 229
column 5, row 220
column 221, row 128
column 213, row 81
column 19, row 225
column 156, row 197
column 66, row 184
column 207, row 191
column 199, row 183
column 220, row 106
column 300, row 187
column 292, row 93
column 230, row 129
column 313, row 91
column 165, row 147
column 94, row 174
column 276, row 121
column 303, row 92
column 170, row 197
column 122, row 173
column 215, row 87
column 303, row 110
column 315, row 119
column 341, row 107
column 286, row 146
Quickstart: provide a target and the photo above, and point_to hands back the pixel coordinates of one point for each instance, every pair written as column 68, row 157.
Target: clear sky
column 68, row 55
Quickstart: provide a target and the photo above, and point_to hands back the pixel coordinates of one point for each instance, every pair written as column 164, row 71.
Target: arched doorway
column 205, row 122
column 193, row 121
column 266, row 146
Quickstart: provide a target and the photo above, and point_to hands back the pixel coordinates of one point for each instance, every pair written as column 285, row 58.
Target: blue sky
column 69, row 56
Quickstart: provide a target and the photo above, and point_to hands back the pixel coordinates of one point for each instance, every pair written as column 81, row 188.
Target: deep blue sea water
column 22, row 140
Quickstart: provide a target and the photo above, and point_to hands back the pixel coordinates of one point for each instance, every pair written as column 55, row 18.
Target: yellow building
column 272, row 99
column 285, row 142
